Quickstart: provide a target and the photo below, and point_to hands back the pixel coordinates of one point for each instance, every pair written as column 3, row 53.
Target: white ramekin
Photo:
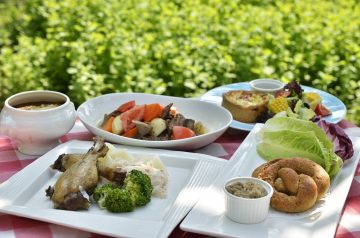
column 247, row 210
column 266, row 85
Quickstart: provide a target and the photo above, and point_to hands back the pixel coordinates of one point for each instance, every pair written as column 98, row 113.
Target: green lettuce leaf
column 285, row 137
column 282, row 123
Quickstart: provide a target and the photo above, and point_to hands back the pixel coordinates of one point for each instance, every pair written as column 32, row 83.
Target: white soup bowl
column 37, row 131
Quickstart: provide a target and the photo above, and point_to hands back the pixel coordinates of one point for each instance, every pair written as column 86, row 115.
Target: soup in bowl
column 37, row 119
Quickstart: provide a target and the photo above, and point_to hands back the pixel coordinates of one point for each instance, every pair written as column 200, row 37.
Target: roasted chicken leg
column 65, row 161
column 68, row 191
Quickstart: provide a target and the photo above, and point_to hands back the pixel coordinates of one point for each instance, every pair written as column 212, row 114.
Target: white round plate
column 335, row 105
column 215, row 118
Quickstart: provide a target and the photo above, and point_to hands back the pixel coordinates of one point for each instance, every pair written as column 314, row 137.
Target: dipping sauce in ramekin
column 245, row 209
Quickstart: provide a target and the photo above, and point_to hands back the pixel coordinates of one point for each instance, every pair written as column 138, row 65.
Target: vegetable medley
column 151, row 122
column 293, row 102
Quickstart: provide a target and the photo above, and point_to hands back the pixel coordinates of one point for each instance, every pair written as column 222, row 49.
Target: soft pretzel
column 298, row 183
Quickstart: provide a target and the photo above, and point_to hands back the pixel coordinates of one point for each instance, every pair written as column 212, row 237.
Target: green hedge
column 178, row 47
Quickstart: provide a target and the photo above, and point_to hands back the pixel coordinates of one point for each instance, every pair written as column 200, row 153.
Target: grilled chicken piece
column 82, row 176
column 65, row 161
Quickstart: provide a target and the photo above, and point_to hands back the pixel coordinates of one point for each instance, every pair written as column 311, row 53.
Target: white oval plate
column 215, row 118
column 335, row 105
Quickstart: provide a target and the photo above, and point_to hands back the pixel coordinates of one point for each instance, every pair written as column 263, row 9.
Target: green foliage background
column 86, row 48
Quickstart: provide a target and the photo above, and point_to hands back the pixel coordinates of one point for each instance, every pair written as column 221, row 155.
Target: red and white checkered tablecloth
column 11, row 162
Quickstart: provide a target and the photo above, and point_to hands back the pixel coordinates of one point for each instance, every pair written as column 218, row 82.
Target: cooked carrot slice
column 107, row 126
column 152, row 111
column 126, row 106
column 131, row 133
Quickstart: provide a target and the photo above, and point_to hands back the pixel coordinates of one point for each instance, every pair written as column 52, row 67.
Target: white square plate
column 189, row 174
column 207, row 216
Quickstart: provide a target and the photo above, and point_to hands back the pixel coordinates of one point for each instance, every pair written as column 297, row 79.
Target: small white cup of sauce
column 247, row 199
column 37, row 119
column 266, row 85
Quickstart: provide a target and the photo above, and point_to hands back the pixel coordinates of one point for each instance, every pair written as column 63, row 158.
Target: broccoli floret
column 118, row 200
column 139, row 185
column 113, row 198
column 100, row 192
column 136, row 191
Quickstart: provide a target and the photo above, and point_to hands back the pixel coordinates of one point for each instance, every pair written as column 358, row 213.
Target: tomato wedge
column 181, row 132
column 321, row 110
column 126, row 106
column 136, row 113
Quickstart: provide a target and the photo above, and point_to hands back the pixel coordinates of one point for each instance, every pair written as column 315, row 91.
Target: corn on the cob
column 278, row 105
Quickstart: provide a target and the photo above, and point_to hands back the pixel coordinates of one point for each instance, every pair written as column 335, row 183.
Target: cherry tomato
column 321, row 110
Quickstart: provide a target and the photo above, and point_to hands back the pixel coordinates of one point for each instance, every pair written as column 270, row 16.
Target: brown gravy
column 40, row 105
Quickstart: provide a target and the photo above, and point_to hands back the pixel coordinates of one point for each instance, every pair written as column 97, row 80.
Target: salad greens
column 342, row 143
column 286, row 137
column 293, row 102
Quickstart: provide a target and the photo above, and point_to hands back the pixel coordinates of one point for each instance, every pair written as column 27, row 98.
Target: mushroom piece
column 142, row 127
column 166, row 112
column 189, row 123
column 178, row 120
